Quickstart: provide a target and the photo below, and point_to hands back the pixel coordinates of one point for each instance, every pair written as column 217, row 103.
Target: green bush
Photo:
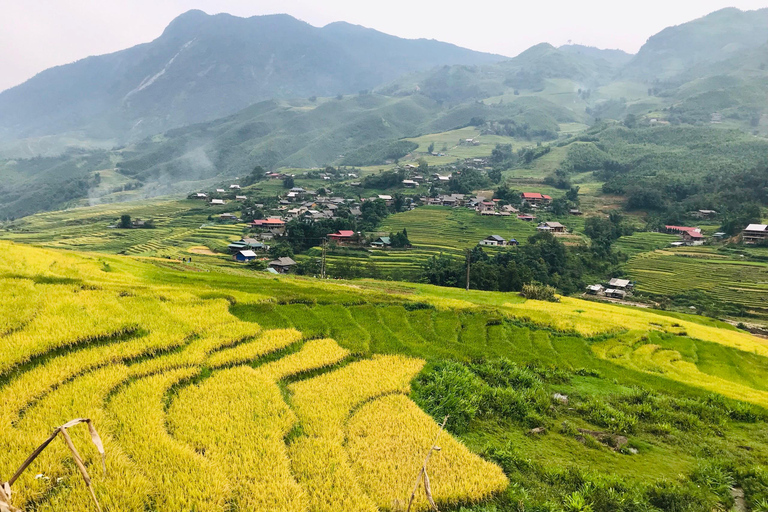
column 450, row 389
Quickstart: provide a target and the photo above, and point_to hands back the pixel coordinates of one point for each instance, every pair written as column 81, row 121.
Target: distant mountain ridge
column 203, row 67
column 719, row 36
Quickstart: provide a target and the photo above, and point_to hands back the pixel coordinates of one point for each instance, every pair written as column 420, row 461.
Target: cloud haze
column 38, row 34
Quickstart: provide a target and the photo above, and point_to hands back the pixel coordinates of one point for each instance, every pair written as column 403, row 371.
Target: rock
column 613, row 441
column 563, row 399
column 537, row 431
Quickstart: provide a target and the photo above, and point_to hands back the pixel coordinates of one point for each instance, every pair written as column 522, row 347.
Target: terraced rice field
column 729, row 280
column 644, row 242
column 189, row 399
column 179, row 225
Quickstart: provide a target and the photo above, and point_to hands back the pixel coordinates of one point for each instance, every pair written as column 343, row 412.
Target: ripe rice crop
column 266, row 342
column 387, row 441
column 323, row 403
column 181, row 478
column 313, row 355
column 239, row 419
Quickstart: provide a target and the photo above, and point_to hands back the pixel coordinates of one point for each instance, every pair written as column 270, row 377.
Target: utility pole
column 322, row 264
column 469, row 260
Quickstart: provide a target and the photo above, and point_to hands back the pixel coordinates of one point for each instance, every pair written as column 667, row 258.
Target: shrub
column 450, row 389
column 536, row 291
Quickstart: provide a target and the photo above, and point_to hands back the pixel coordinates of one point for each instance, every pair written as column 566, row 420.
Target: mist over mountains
column 214, row 96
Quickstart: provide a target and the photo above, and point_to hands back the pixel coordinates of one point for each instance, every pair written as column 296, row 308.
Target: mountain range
column 203, row 67
column 215, row 95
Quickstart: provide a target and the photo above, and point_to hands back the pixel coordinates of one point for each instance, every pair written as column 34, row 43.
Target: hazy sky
column 38, row 34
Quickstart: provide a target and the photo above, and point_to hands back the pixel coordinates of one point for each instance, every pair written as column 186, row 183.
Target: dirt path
column 200, row 249
column 615, row 301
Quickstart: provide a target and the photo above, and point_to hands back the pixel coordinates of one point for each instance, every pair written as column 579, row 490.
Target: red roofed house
column 693, row 238
column 342, row 237
column 535, row 198
column 681, row 229
column 268, row 223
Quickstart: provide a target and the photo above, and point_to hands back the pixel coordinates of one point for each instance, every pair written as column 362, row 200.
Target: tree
column 400, row 239
column 431, row 148
column 257, row 174
column 495, row 175
column 573, row 195
column 630, row 121
column 288, row 182
column 281, row 250
column 125, row 221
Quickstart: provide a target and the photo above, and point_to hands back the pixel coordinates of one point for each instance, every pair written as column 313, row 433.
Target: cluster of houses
column 615, row 289
column 498, row 241
column 751, row 235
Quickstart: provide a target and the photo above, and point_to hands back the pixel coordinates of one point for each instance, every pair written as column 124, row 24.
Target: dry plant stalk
column 5, row 488
column 423, row 473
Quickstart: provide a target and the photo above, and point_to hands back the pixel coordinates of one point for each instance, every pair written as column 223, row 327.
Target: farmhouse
column 693, row 238
column 381, row 242
column 268, row 223
column 200, row 195
column 234, row 187
column 615, row 294
column 410, row 184
column 217, row 202
column 230, row 217
column 526, row 217
column 553, row 227
column 535, row 198
column 244, row 256
column 486, row 208
column 342, row 237
column 493, row 241
column 705, row 214
column 282, row 265
column 220, row 190
column 594, row 289
column 755, row 233
column 620, row 284
column 241, row 198
column 679, row 230
column 386, row 198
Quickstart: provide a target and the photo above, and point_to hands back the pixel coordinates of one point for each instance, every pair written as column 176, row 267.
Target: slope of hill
column 585, row 67
column 719, row 36
column 347, row 384
column 203, row 67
